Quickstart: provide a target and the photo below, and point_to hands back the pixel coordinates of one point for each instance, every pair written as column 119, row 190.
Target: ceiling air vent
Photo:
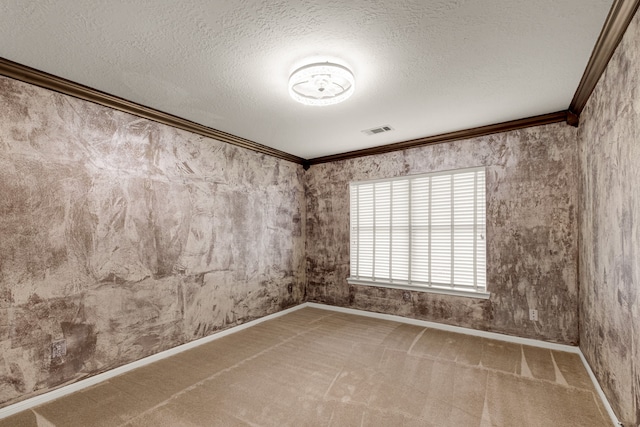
column 380, row 129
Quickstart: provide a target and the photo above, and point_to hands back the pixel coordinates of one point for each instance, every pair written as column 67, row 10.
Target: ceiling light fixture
column 322, row 83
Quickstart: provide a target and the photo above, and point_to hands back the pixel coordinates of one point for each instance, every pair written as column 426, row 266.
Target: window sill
column 419, row 288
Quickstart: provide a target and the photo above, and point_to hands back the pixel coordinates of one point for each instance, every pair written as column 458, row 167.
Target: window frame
column 449, row 289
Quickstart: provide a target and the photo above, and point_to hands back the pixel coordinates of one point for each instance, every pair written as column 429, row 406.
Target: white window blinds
column 420, row 232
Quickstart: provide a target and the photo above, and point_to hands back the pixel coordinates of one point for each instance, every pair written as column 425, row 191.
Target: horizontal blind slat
column 381, row 222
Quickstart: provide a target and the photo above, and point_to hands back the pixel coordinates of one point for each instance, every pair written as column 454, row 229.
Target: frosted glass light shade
column 321, row 84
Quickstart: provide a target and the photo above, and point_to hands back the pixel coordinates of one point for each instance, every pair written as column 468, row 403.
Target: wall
column 531, row 230
column 609, row 138
column 126, row 237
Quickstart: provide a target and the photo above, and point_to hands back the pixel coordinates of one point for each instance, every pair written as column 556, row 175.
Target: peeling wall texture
column 609, row 156
column 126, row 237
column 531, row 230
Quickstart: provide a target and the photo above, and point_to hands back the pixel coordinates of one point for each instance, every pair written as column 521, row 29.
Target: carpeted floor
column 315, row 367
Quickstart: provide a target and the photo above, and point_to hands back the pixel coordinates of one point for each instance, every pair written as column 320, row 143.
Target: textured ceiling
column 421, row 67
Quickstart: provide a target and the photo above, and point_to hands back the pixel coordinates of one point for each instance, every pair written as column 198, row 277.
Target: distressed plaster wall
column 126, row 237
column 531, row 231
column 609, row 140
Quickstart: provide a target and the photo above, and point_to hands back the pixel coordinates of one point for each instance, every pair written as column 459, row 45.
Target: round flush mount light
column 321, row 83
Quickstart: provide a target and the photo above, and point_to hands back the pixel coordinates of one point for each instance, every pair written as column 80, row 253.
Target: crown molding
column 616, row 24
column 48, row 81
column 545, row 119
column 618, row 19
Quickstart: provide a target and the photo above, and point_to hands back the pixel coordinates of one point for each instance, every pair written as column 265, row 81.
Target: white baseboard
column 604, row 399
column 449, row 328
column 88, row 382
column 483, row 334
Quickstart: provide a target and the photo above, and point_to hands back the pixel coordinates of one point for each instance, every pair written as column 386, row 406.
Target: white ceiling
column 421, row 67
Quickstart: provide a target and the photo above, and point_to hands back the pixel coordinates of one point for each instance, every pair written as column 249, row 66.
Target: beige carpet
column 314, row 367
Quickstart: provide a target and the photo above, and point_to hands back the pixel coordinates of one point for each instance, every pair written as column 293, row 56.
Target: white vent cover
column 380, row 129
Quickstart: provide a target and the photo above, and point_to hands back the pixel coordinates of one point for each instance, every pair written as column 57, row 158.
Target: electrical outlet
column 533, row 314
column 58, row 349
column 406, row 296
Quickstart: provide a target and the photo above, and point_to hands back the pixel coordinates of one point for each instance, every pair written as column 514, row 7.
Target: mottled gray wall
column 531, row 230
column 126, row 237
column 609, row 140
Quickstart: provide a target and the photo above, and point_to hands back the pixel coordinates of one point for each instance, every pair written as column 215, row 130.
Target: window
column 422, row 232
